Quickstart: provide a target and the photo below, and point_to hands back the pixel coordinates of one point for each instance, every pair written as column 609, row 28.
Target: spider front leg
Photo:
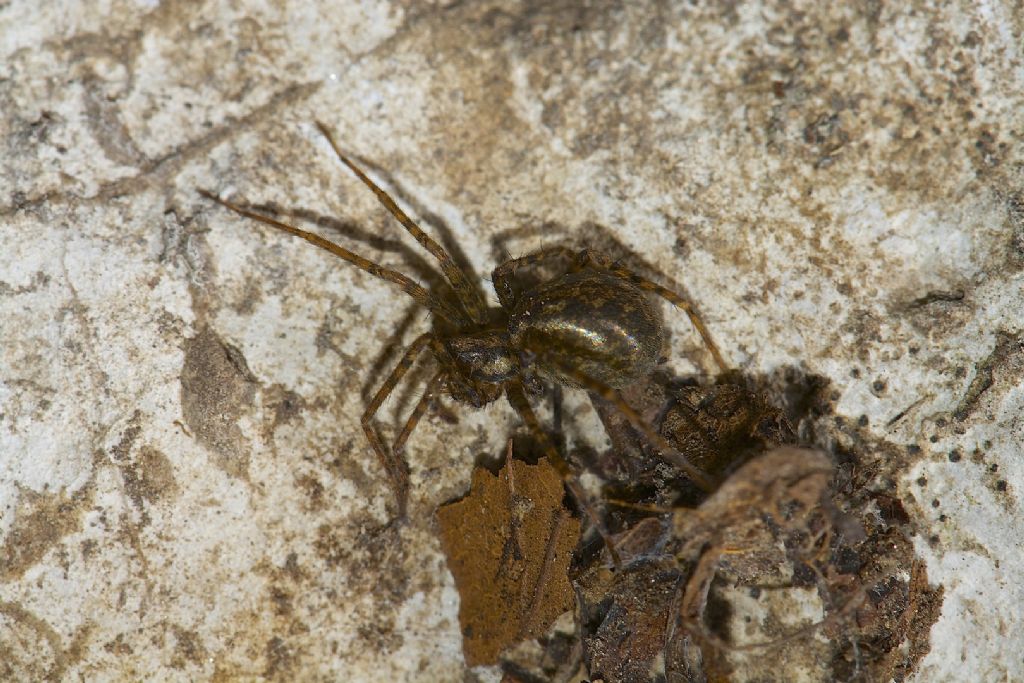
column 392, row 463
column 596, row 259
column 469, row 295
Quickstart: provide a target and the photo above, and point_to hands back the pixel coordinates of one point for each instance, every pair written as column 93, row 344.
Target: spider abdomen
column 588, row 322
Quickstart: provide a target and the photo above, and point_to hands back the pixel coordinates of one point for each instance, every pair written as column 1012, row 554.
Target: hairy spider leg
column 408, row 285
column 666, row 450
column 394, row 465
column 517, row 399
column 421, row 407
column 468, row 294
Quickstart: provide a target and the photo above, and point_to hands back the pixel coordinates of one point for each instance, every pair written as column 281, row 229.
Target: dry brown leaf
column 509, row 544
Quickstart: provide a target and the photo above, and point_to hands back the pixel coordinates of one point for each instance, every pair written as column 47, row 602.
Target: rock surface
column 185, row 489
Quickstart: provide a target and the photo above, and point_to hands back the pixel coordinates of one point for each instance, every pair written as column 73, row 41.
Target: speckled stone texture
column 185, row 490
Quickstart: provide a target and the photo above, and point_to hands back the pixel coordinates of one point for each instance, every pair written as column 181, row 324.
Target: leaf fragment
column 509, row 543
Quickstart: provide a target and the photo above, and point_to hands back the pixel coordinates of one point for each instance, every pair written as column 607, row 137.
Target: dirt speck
column 150, row 478
column 314, row 490
column 188, row 648
column 1006, row 361
column 279, row 659
column 31, row 647
column 283, row 404
column 216, row 389
column 40, row 522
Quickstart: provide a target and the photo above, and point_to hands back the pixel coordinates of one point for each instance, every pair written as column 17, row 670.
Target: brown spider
column 592, row 327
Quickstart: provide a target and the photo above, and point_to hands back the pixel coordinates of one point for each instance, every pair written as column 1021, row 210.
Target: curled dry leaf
column 509, row 544
column 785, row 524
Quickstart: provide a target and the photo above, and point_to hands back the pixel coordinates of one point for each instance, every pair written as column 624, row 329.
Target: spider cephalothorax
column 592, row 327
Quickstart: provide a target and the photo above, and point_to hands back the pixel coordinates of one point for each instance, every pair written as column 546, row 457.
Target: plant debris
column 626, row 618
column 645, row 622
column 772, row 494
column 799, row 555
column 766, row 522
column 719, row 426
column 509, row 543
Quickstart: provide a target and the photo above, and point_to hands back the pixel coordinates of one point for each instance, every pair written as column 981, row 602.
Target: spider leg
column 391, row 462
column 408, row 285
column 421, row 407
column 517, row 399
column 501, row 277
column 598, row 260
column 667, row 451
column 469, row 295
